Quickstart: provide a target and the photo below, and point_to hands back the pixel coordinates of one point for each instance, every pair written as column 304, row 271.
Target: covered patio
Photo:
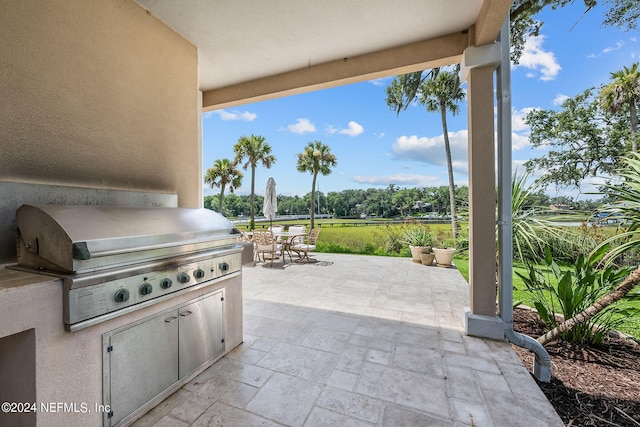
column 358, row 341
column 104, row 103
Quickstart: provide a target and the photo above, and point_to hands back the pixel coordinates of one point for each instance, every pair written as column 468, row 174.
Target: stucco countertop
column 10, row 279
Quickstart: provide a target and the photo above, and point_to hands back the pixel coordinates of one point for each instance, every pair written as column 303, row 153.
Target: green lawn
column 370, row 239
column 630, row 326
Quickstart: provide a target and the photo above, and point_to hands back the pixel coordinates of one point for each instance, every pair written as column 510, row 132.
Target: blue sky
column 376, row 148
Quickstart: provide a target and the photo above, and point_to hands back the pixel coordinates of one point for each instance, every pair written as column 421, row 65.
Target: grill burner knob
column 198, row 274
column 166, row 283
column 183, row 277
column 121, row 295
column 224, row 266
column 146, row 289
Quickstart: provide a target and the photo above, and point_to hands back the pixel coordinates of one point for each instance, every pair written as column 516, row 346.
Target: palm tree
column 255, row 150
column 439, row 90
column 622, row 93
column 223, row 172
column 530, row 233
column 316, row 158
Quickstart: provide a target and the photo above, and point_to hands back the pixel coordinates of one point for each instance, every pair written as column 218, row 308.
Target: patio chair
column 294, row 230
column 264, row 242
column 302, row 245
column 277, row 229
column 297, row 229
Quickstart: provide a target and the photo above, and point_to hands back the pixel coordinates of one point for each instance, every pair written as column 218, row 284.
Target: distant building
column 560, row 207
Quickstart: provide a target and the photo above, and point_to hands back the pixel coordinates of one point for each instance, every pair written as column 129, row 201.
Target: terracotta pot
column 444, row 256
column 427, row 259
column 416, row 251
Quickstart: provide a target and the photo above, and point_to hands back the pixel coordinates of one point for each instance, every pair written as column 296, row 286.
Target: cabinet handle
column 185, row 313
column 171, row 319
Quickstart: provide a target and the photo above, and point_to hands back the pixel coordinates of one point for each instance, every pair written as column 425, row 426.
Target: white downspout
column 542, row 361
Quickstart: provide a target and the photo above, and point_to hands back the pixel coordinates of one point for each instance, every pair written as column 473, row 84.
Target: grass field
column 350, row 236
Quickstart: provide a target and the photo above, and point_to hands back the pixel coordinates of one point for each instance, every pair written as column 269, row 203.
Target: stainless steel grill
column 116, row 259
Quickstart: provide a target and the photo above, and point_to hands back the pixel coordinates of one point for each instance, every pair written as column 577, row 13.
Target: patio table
column 286, row 238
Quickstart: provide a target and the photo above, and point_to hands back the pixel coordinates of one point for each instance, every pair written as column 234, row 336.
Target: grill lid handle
column 81, row 251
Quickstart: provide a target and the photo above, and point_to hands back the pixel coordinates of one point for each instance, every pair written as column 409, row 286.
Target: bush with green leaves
column 568, row 243
column 625, row 207
column 560, row 294
column 532, row 234
column 417, row 235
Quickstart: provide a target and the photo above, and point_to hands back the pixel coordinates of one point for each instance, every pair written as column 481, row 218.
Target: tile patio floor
column 358, row 341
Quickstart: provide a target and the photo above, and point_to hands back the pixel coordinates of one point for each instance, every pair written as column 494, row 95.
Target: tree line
column 389, row 202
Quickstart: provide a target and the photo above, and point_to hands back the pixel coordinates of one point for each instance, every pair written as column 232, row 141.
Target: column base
column 482, row 326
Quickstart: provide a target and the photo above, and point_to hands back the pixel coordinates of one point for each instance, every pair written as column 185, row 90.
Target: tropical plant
column 624, row 94
column 561, row 294
column 626, row 196
column 625, row 207
column 417, row 235
column 255, row 150
column 223, row 172
column 391, row 238
column 438, row 90
column 530, row 233
column 316, row 158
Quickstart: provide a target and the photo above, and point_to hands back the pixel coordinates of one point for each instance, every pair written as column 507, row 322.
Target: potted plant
column 419, row 240
column 427, row 259
column 444, row 251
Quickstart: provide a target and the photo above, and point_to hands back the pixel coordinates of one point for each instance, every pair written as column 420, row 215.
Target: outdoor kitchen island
column 69, row 358
column 62, row 372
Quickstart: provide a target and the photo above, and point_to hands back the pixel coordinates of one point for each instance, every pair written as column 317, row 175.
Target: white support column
column 478, row 68
column 200, row 150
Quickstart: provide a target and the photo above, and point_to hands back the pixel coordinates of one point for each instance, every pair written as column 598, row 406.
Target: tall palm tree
column 438, row 90
column 624, row 92
column 255, row 150
column 223, row 172
column 316, row 158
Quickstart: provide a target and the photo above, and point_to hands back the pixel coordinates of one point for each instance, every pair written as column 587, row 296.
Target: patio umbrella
column 270, row 204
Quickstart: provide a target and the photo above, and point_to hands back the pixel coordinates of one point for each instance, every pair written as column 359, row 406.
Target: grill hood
column 76, row 239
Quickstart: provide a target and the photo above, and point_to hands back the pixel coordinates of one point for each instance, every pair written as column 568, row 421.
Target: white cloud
column 518, row 142
column 518, row 165
column 431, row 150
column 517, row 119
column 619, row 45
column 398, row 179
column 534, row 57
column 354, row 129
column 381, row 82
column 244, row 116
column 609, row 49
column 559, row 99
column 520, row 130
column 302, row 126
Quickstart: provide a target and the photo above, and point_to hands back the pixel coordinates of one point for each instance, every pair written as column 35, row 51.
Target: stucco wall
column 69, row 365
column 100, row 94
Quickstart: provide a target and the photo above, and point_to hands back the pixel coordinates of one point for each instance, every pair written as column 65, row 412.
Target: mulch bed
column 590, row 386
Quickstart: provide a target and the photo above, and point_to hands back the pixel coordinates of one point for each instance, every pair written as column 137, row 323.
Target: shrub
column 567, row 293
column 417, row 235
